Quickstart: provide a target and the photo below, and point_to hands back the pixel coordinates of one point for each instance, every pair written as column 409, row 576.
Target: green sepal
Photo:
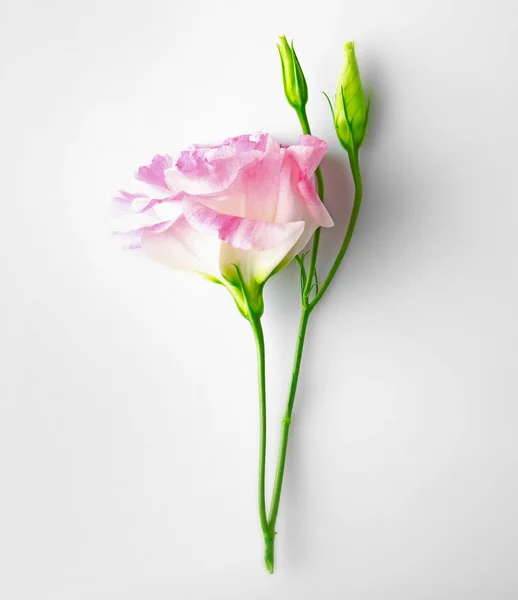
column 366, row 122
column 210, row 278
column 248, row 296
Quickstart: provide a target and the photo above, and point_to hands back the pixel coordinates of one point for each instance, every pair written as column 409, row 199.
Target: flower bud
column 293, row 78
column 351, row 109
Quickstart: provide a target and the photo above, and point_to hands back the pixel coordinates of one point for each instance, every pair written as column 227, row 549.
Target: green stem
column 307, row 308
column 254, row 318
column 286, row 421
column 304, row 123
column 257, row 329
column 358, row 189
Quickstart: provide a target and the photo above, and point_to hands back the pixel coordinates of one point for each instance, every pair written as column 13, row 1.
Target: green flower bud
column 351, row 108
column 293, row 78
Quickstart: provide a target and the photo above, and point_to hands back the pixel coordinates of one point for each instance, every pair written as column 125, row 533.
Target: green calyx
column 351, row 110
column 248, row 295
column 295, row 86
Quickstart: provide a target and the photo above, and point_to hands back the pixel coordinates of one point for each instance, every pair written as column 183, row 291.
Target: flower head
column 234, row 213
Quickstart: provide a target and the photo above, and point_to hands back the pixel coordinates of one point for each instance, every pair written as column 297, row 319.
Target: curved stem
column 358, row 189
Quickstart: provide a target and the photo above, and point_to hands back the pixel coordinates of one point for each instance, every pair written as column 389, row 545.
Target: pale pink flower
column 248, row 202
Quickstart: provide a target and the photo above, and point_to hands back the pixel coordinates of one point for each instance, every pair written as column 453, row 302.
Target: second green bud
column 351, row 108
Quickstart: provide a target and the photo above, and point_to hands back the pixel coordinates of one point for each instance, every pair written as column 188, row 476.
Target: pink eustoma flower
column 248, row 203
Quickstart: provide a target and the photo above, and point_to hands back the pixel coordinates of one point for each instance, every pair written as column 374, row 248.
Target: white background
column 128, row 425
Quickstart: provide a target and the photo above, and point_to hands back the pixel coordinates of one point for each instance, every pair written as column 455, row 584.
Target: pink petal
column 132, row 239
column 308, row 153
column 135, row 203
column 154, row 174
column 246, row 143
column 259, row 188
column 208, row 170
column 314, row 205
column 238, row 232
column 256, row 266
column 181, row 247
column 132, row 214
column 212, row 169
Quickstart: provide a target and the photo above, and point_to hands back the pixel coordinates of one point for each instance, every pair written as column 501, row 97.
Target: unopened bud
column 293, row 78
column 351, row 108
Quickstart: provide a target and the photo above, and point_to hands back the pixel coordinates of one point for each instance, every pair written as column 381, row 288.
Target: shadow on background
column 390, row 246
column 384, row 218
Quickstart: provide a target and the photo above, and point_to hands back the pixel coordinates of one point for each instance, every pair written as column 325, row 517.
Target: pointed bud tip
column 350, row 54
